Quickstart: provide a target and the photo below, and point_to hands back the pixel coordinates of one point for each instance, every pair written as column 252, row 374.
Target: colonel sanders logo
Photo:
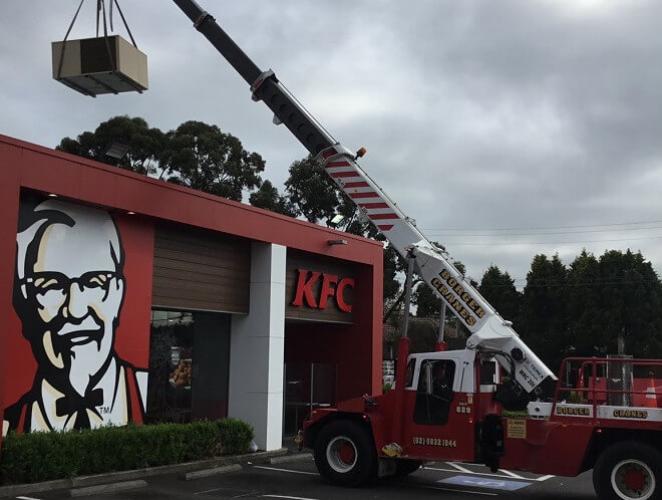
column 68, row 292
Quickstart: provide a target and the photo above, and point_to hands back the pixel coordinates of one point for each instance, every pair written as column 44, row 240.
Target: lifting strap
column 101, row 8
column 116, row 2
column 101, row 15
column 64, row 42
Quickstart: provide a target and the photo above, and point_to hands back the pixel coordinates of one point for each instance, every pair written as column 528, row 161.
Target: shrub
column 43, row 456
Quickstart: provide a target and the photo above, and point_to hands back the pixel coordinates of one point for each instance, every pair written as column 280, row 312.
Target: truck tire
column 405, row 467
column 628, row 470
column 345, row 454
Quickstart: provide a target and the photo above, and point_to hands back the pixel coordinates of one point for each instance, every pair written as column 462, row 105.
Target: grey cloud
column 477, row 114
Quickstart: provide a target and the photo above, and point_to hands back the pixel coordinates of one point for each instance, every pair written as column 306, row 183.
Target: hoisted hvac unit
column 103, row 64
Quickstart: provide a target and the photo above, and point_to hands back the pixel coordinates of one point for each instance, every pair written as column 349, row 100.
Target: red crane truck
column 449, row 405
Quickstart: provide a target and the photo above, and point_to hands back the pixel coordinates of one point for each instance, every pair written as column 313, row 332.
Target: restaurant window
column 188, row 366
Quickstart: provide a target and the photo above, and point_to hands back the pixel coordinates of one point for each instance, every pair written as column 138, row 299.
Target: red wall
column 356, row 349
column 136, row 316
column 9, row 197
column 75, row 178
column 26, row 166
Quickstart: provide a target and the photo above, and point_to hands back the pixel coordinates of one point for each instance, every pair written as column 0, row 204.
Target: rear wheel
column 628, row 471
column 345, row 454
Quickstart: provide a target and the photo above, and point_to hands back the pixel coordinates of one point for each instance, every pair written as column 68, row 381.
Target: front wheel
column 628, row 470
column 345, row 454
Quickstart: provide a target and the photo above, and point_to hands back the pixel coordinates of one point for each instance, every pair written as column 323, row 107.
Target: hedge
column 43, row 456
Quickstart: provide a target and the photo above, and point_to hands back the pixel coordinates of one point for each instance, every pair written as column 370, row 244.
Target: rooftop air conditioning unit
column 103, row 65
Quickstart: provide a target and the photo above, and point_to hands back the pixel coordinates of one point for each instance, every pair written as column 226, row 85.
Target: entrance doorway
column 307, row 386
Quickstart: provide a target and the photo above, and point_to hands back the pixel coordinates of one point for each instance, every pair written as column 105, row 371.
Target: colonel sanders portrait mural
column 69, row 289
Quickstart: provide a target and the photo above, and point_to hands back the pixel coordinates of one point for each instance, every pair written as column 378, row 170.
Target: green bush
column 42, row 456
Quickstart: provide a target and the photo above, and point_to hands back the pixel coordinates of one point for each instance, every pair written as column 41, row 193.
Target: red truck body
column 561, row 436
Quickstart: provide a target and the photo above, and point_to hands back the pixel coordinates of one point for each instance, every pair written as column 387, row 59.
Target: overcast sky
column 506, row 128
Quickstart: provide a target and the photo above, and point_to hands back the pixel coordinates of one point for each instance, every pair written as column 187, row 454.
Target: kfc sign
column 331, row 287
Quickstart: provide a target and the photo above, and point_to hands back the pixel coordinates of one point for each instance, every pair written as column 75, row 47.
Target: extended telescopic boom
column 490, row 333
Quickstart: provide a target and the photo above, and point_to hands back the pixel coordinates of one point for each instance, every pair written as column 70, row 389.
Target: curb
column 108, row 488
column 114, row 477
column 295, row 457
column 215, row 471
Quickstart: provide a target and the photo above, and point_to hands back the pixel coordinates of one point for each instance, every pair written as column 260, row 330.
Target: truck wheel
column 405, row 467
column 345, row 454
column 628, row 471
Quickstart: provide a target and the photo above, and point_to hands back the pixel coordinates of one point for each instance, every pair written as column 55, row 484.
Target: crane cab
column 445, row 395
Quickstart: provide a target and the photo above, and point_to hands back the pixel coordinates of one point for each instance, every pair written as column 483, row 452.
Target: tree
column 584, row 309
column 499, row 290
column 428, row 303
column 392, row 264
column 543, row 321
column 267, row 197
column 143, row 144
column 423, row 334
column 203, row 157
column 631, row 305
column 195, row 154
column 316, row 197
column 311, row 192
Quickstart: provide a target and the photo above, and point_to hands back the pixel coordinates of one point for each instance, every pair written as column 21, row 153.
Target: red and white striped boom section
column 489, row 330
column 340, row 165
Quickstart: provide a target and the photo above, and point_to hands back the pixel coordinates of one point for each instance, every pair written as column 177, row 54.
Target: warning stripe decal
column 332, row 164
column 348, row 173
column 374, row 205
column 360, row 191
column 349, row 185
column 363, row 195
column 383, row 216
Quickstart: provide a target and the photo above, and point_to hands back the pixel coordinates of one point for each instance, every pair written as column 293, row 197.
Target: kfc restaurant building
column 126, row 299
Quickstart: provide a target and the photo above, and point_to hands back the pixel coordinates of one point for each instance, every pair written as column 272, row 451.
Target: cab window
column 435, row 392
column 409, row 377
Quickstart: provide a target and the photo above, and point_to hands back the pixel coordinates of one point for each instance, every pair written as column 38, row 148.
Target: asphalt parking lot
column 299, row 480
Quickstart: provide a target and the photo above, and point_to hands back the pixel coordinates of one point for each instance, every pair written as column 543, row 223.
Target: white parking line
column 459, row 467
column 207, row 491
column 511, row 474
column 250, row 493
column 469, row 492
column 291, row 498
column 286, row 470
column 455, row 468
column 502, row 476
column 27, row 498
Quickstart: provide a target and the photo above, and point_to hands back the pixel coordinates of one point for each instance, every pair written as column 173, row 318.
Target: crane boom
column 489, row 332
